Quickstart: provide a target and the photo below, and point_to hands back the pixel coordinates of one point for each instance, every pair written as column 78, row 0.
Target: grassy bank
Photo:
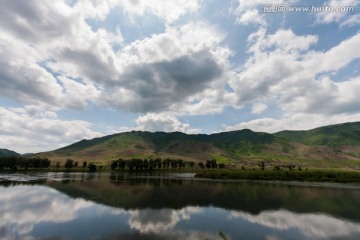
column 268, row 175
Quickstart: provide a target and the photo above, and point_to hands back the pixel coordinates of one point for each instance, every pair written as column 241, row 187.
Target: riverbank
column 294, row 175
column 311, row 175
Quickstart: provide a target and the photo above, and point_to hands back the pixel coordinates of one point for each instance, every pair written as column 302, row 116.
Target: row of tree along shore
column 135, row 164
column 255, row 172
column 24, row 163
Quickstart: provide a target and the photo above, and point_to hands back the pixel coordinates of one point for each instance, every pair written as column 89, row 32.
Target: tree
column 92, row 167
column 114, row 165
column 208, row 164
column 262, row 165
column 84, row 164
column 121, row 164
column 57, row 165
column 201, row 165
column 69, row 164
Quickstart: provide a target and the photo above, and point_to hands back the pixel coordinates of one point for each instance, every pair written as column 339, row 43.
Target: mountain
column 335, row 145
column 8, row 153
column 333, row 135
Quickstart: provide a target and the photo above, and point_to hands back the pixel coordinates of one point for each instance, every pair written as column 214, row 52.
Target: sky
column 80, row 69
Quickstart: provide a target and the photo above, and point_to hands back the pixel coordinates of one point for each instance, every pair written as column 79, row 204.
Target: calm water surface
column 172, row 206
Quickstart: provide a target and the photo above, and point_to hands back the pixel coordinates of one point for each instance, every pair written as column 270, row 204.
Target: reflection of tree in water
column 41, row 207
column 223, row 236
column 138, row 191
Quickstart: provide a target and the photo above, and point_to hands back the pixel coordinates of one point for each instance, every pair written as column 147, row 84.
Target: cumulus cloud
column 169, row 11
column 157, row 86
column 258, row 108
column 36, row 37
column 293, row 121
column 247, row 12
column 59, row 55
column 70, row 65
column 169, row 70
column 274, row 60
column 163, row 122
column 34, row 129
column 344, row 18
column 282, row 68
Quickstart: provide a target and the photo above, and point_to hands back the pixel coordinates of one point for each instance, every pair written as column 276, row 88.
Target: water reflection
column 314, row 226
column 24, row 207
column 159, row 221
column 34, row 211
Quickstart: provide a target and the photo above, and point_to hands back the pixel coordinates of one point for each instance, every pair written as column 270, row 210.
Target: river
column 173, row 206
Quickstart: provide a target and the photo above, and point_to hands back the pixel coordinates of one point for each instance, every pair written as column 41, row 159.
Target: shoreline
column 300, row 176
column 313, row 175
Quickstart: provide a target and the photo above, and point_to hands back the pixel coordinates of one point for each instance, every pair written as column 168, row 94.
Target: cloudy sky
column 75, row 69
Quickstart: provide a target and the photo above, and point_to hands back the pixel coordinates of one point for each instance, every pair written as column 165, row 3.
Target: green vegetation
column 284, row 175
column 336, row 146
column 334, row 135
column 209, row 169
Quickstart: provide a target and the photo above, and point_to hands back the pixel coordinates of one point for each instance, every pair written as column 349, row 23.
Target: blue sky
column 72, row 70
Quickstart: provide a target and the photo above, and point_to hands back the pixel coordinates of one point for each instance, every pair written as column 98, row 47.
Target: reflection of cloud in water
column 22, row 207
column 312, row 225
column 157, row 221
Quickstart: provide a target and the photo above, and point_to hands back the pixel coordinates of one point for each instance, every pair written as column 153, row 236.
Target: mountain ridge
column 327, row 145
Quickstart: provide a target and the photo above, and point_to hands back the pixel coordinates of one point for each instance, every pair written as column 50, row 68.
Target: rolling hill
column 335, row 145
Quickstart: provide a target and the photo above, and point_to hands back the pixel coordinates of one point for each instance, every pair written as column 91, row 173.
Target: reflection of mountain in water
column 34, row 212
column 163, row 192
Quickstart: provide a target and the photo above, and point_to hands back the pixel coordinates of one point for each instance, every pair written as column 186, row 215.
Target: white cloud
column 346, row 18
column 163, row 122
column 33, row 129
column 258, row 108
column 169, row 71
column 275, row 59
column 247, row 12
column 70, row 65
column 283, row 69
column 251, row 16
column 169, row 11
column 293, row 121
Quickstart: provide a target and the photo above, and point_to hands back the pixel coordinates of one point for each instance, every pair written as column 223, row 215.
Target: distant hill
column 325, row 146
column 8, row 153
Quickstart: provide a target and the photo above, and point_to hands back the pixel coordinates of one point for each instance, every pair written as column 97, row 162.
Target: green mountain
column 335, row 145
column 8, row 153
column 333, row 135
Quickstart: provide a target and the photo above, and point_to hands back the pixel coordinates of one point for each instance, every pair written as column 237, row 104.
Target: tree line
column 137, row 164
column 25, row 163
